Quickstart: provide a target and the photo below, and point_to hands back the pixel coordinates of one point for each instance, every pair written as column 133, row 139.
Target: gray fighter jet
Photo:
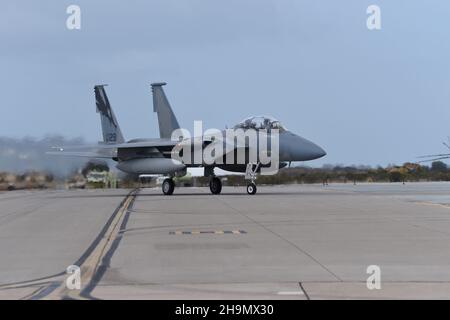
column 171, row 154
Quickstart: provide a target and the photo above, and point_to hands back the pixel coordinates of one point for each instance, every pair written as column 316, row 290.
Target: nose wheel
column 168, row 186
column 250, row 174
column 251, row 188
column 215, row 185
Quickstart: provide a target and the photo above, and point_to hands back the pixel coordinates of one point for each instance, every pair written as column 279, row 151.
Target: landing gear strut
column 215, row 185
column 168, row 186
column 250, row 174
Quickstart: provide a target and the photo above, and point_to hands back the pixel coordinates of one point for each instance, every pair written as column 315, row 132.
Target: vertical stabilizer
column 110, row 127
column 166, row 118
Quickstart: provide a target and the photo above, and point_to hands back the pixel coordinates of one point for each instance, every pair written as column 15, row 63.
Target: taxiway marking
column 93, row 261
column 196, row 232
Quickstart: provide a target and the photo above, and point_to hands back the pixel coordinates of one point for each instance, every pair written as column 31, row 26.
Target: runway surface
column 286, row 242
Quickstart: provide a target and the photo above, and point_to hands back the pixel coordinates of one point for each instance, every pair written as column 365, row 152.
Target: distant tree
column 395, row 176
column 438, row 166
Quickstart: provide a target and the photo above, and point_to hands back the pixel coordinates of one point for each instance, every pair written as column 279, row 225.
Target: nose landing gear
column 251, row 188
column 250, row 174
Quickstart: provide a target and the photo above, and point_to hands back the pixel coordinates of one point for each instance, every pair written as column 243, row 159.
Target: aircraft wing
column 153, row 143
column 107, row 150
column 434, row 157
column 84, row 154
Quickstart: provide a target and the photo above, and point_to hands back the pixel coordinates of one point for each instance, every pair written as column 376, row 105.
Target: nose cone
column 296, row 148
column 316, row 152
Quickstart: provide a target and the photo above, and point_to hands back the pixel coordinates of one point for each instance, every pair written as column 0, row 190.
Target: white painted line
column 290, row 293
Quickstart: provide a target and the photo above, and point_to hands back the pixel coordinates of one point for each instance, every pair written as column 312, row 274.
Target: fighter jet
column 270, row 147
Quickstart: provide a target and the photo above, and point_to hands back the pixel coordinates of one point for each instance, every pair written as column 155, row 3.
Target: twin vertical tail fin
column 166, row 118
column 110, row 127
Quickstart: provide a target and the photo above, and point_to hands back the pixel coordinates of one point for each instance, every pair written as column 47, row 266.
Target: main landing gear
column 168, row 186
column 215, row 185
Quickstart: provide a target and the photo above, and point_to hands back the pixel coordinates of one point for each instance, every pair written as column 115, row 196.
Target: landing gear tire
column 215, row 185
column 251, row 188
column 168, row 186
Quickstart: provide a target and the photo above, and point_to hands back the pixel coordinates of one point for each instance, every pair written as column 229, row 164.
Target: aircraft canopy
column 260, row 122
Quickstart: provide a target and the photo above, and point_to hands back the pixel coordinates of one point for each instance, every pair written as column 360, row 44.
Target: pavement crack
column 304, row 291
column 282, row 238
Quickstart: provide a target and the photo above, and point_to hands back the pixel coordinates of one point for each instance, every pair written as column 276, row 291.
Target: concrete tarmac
column 285, row 242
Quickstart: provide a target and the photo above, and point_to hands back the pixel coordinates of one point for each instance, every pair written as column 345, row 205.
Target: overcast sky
column 366, row 97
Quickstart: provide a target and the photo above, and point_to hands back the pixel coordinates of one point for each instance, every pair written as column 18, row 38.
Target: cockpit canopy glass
column 260, row 122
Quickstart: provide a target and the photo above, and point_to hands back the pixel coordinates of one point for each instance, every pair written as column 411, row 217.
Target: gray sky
column 366, row 97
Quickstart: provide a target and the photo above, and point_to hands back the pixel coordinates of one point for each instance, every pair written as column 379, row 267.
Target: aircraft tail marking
column 110, row 127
